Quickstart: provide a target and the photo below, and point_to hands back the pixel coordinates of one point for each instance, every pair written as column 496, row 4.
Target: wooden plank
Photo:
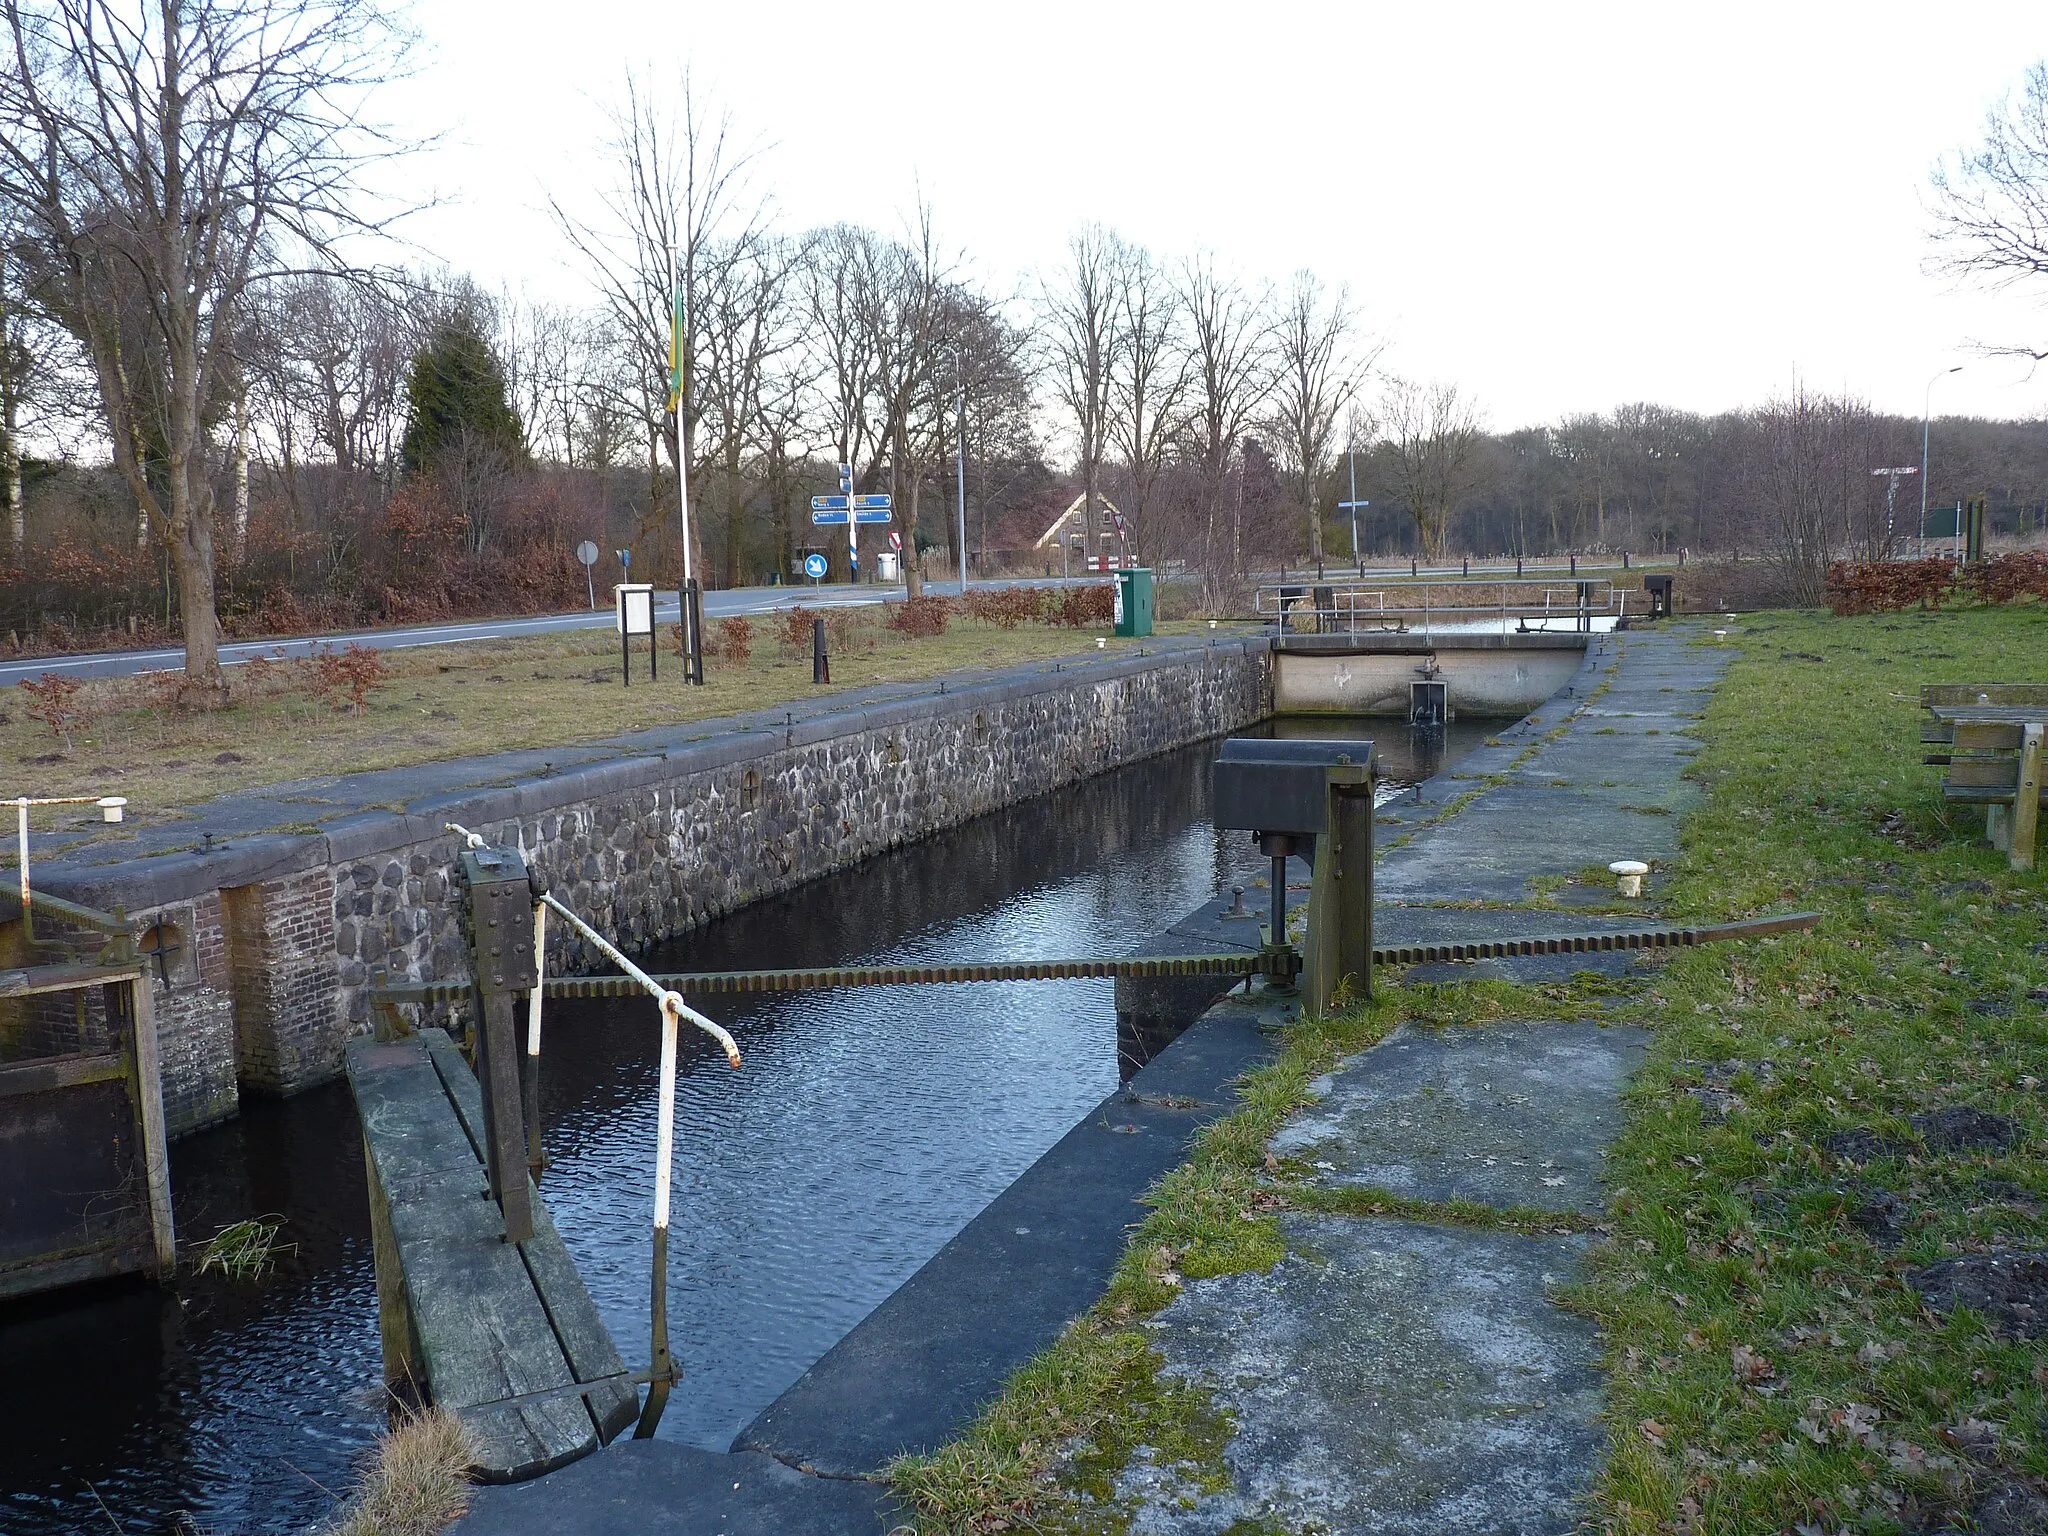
column 148, row 1087
column 2026, row 810
column 1934, row 695
column 1980, row 795
column 36, row 1276
column 2018, row 714
column 28, row 981
column 1984, row 772
column 586, row 1342
column 483, row 1334
column 1987, row 736
column 47, row 1072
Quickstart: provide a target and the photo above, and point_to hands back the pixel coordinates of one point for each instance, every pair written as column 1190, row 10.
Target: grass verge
column 450, row 701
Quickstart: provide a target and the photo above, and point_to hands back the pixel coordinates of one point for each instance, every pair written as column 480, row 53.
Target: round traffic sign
column 814, row 566
column 587, row 552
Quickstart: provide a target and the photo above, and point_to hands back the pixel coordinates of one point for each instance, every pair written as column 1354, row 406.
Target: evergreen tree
column 455, row 394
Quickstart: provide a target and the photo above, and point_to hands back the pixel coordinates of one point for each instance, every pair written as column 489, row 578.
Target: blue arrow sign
column 824, row 518
column 828, row 503
column 863, row 502
column 871, row 509
column 814, row 566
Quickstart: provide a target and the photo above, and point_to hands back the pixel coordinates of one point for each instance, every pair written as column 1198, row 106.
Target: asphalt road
column 717, row 605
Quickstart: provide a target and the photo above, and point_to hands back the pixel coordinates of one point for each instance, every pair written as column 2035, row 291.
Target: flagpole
column 690, row 613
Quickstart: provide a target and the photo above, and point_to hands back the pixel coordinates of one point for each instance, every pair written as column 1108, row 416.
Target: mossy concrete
column 1387, row 1376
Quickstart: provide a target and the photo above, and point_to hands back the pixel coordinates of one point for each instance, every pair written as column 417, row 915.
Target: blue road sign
column 828, row 509
column 845, row 477
column 1346, row 506
column 814, row 566
column 871, row 509
column 863, row 502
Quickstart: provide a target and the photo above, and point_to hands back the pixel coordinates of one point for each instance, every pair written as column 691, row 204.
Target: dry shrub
column 846, row 634
column 419, row 1483
column 794, row 628
column 919, row 617
column 58, row 702
column 1006, row 607
column 350, row 673
column 1885, row 586
column 1078, row 607
column 2008, row 578
column 735, row 642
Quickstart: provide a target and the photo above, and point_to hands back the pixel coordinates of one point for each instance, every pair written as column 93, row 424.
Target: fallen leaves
column 1749, row 1366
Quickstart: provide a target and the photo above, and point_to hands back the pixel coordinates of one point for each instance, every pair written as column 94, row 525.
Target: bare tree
column 743, row 329
column 908, row 320
column 1227, row 335
column 1315, row 375
column 841, row 287
column 165, row 161
column 1991, row 205
column 1148, row 380
column 1083, row 338
column 1807, row 476
column 677, row 210
column 1431, row 435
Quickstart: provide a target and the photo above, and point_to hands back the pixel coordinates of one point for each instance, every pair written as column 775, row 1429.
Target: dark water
column 866, row 1129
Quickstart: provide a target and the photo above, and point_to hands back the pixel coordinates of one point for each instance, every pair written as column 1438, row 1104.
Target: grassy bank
column 448, row 701
column 1820, row 1121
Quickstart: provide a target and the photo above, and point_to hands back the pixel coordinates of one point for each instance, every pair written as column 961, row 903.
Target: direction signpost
column 849, row 509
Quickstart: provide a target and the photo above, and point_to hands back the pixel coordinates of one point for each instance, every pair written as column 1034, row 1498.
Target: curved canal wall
column 268, row 941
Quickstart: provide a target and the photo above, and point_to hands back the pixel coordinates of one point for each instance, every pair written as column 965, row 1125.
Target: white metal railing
column 1353, row 607
column 673, row 1011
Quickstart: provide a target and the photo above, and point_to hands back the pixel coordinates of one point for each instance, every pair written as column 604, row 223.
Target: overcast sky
column 1561, row 207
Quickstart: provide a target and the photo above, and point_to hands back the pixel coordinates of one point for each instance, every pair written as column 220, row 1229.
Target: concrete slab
column 655, row 1488
column 1515, row 833
column 1505, row 1114
column 1386, row 1377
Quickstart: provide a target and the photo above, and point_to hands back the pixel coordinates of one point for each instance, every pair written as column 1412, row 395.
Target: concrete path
column 1416, row 1376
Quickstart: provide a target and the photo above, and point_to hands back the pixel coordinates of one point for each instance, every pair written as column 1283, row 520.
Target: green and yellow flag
column 675, row 351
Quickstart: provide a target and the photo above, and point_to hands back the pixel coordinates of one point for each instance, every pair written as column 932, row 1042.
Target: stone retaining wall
column 278, row 937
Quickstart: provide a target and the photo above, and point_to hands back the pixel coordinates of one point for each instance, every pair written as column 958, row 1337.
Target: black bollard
column 821, row 664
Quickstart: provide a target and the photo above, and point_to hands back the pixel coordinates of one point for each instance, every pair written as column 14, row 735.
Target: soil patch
column 2010, row 1289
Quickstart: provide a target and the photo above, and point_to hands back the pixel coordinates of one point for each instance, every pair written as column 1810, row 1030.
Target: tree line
column 218, row 407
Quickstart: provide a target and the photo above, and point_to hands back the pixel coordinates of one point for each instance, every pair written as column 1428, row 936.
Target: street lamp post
column 1926, row 423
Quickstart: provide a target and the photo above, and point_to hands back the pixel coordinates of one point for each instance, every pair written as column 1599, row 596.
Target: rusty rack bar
column 1243, row 963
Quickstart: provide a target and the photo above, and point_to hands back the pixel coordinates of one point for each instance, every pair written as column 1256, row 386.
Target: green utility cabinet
column 1134, row 602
